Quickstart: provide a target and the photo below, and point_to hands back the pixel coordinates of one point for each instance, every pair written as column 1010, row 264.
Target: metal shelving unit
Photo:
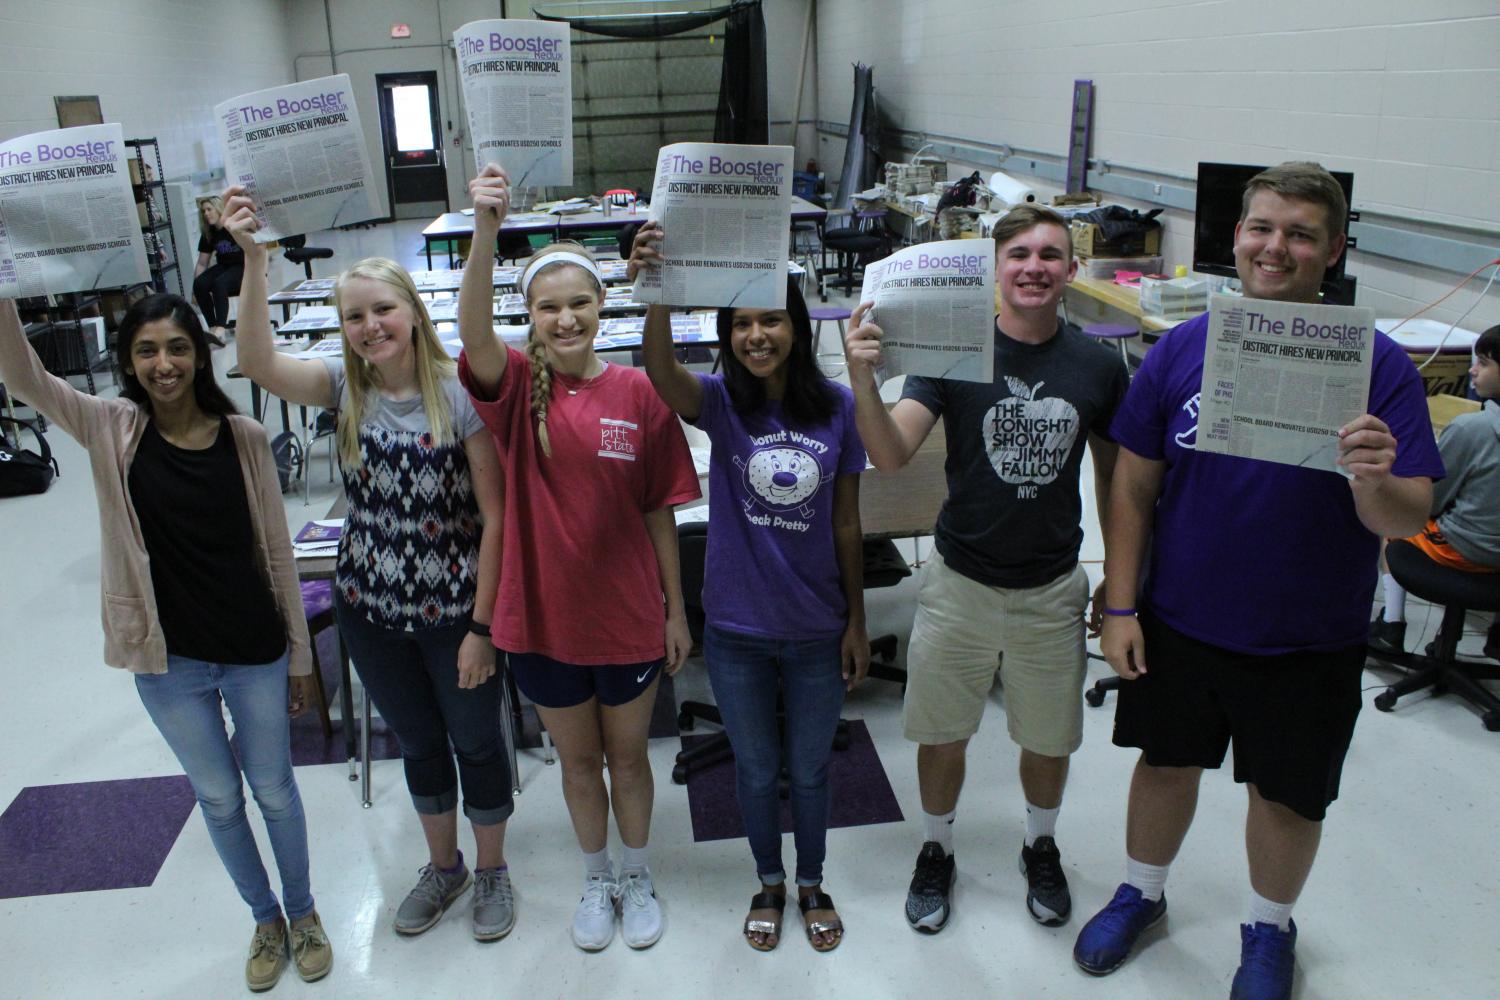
column 147, row 185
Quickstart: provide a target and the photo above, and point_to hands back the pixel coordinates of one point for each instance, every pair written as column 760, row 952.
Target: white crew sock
column 1040, row 823
column 598, row 863
column 1395, row 599
column 1264, row 911
column 1150, row 879
column 633, row 859
column 939, row 829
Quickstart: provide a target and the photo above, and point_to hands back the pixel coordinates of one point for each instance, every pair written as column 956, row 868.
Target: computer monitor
column 1221, row 186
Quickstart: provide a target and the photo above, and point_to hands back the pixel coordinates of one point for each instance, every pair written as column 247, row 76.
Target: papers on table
column 300, row 152
column 312, row 319
column 935, row 304
column 68, row 220
column 518, row 94
column 725, row 212
column 698, row 514
column 1281, row 378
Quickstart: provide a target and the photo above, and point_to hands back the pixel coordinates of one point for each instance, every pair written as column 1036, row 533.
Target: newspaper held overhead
column 1281, row 378
column 518, row 93
column 67, row 215
column 301, row 154
column 726, row 211
column 935, row 305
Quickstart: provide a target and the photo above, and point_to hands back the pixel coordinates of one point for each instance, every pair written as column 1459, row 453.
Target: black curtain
column 743, row 113
column 862, row 149
column 639, row 25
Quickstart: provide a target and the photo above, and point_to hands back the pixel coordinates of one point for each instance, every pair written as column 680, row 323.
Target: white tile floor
column 1404, row 901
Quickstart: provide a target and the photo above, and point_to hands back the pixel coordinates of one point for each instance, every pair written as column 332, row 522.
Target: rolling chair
column 296, row 250
column 1441, row 669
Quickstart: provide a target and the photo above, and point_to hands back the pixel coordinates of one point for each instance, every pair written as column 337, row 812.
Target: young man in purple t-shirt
column 1005, row 579
column 1251, row 624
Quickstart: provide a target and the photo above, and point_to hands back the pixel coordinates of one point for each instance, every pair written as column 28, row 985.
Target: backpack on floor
column 24, row 472
column 286, row 449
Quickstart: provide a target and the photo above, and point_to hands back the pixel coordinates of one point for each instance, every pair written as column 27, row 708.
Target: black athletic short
column 553, row 684
column 1290, row 716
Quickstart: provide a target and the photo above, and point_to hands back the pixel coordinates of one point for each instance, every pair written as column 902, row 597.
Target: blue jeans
column 412, row 678
column 747, row 672
column 186, row 705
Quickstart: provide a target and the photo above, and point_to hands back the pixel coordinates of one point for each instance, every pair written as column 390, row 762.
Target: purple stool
column 317, row 604
column 1117, row 332
column 827, row 314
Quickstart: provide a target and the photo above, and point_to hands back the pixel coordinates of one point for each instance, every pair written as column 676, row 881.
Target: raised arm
column 674, row 383
column 295, row 380
column 25, row 377
column 891, row 436
column 476, row 294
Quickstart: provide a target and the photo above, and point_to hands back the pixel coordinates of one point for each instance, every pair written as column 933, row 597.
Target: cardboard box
column 140, row 211
column 135, row 171
column 1088, row 242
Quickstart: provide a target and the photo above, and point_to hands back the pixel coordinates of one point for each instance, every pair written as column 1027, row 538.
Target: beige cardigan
column 111, row 429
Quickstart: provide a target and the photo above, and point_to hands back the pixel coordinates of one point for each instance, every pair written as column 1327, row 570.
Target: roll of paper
column 1009, row 190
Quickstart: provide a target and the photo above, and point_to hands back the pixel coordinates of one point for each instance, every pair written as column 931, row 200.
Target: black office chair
column 692, row 550
column 296, row 250
column 1441, row 669
column 869, row 240
column 884, row 567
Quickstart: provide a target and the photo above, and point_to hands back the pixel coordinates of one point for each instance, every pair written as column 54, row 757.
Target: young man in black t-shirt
column 1004, row 584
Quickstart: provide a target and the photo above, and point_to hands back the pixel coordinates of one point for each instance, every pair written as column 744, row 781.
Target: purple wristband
column 1120, row 612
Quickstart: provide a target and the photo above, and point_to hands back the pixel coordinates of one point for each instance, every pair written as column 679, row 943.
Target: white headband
column 561, row 257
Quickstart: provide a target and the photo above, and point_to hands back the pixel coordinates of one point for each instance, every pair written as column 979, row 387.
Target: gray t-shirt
column 408, row 414
column 1014, row 511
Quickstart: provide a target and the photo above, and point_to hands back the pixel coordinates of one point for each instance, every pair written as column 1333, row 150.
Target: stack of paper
column 318, row 538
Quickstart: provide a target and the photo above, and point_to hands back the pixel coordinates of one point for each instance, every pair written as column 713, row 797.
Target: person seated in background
column 1463, row 531
column 220, row 267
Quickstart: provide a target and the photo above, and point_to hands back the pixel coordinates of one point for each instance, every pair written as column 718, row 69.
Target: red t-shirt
column 578, row 576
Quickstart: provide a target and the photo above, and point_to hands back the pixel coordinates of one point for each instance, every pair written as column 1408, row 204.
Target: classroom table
column 451, row 226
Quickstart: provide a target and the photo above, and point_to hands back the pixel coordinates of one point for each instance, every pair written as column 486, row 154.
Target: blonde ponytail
column 541, row 391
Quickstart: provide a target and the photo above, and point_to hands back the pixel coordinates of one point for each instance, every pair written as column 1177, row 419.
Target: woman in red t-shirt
column 590, row 607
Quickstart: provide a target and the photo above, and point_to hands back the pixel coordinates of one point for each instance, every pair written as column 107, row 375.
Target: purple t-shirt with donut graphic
column 771, row 569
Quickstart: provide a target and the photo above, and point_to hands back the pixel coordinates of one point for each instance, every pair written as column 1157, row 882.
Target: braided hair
column 536, row 352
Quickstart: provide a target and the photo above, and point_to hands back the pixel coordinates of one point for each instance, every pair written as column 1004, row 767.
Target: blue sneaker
column 1106, row 940
column 1267, row 954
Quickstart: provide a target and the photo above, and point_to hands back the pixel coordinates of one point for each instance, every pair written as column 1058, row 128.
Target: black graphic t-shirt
column 1014, row 510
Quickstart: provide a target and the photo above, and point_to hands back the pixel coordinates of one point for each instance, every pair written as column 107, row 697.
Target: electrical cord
column 1432, row 305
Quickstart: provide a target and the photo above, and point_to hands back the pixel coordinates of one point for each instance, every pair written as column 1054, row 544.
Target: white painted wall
column 1402, row 94
column 157, row 66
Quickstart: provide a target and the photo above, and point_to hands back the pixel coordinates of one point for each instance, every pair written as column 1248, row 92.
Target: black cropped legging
column 212, row 289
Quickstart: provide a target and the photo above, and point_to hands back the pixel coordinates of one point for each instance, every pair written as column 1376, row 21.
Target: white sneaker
column 640, row 913
column 594, row 920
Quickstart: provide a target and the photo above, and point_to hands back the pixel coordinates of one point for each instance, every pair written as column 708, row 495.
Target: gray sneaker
column 433, row 893
column 494, row 904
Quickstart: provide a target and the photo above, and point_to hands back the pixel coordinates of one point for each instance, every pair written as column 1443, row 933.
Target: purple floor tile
column 90, row 835
column 861, row 793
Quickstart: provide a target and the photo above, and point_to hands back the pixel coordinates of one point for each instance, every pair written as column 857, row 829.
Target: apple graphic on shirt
column 1028, row 436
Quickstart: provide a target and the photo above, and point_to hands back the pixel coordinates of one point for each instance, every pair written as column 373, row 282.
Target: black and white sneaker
column 1047, row 896
column 1387, row 637
column 927, row 901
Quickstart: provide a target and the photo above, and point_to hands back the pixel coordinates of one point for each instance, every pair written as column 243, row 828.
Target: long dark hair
column 206, row 391
column 808, row 399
